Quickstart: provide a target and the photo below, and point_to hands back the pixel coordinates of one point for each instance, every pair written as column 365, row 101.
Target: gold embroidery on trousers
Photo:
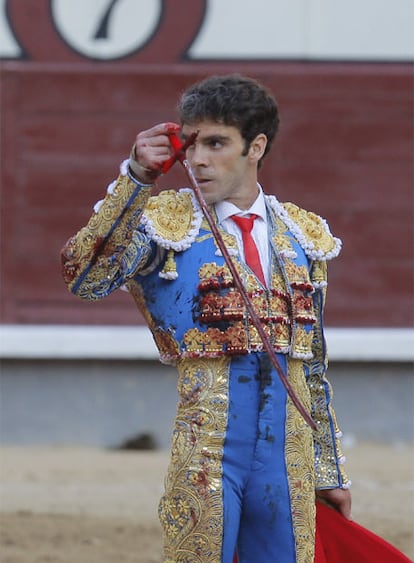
column 300, row 467
column 191, row 511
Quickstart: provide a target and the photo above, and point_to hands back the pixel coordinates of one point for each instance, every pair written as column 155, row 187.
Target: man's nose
column 197, row 155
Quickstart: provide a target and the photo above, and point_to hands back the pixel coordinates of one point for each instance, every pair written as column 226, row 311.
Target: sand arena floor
column 84, row 505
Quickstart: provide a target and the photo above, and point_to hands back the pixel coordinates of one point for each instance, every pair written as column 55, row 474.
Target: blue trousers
column 256, row 504
column 241, row 474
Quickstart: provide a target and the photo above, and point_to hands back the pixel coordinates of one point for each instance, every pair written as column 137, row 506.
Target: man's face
column 218, row 163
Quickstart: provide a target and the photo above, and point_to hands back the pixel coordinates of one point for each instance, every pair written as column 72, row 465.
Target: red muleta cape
column 339, row 540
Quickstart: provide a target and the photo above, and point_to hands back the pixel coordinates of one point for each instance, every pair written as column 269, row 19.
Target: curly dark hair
column 234, row 100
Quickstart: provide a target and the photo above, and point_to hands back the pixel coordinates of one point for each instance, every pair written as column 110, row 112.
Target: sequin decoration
column 329, row 472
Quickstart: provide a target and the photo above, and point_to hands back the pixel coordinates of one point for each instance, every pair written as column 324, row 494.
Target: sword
column 179, row 154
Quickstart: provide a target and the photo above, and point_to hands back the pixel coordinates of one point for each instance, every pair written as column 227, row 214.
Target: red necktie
column 251, row 253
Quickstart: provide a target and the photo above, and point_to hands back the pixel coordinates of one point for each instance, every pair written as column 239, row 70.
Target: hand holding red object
column 339, row 499
column 152, row 149
column 179, row 150
column 339, row 540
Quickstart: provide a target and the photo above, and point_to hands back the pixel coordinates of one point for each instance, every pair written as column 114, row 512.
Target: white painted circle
column 106, row 29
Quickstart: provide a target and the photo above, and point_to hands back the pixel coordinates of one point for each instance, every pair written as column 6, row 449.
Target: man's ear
column 257, row 147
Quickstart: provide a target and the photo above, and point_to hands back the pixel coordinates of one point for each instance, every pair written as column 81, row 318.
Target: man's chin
column 209, row 198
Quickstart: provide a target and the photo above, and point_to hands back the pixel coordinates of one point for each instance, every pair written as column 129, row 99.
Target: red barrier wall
column 344, row 150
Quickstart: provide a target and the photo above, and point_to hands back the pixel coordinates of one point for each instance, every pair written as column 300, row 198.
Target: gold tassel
column 169, row 271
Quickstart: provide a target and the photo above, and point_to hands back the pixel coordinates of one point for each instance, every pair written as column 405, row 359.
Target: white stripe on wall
column 67, row 342
column 355, row 30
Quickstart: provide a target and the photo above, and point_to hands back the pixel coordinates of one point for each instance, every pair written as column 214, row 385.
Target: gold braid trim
column 300, row 467
column 190, row 510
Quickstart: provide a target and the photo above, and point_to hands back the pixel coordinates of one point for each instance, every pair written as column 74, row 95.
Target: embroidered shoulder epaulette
column 172, row 219
column 310, row 230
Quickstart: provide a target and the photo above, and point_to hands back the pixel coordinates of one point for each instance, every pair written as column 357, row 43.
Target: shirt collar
column 225, row 209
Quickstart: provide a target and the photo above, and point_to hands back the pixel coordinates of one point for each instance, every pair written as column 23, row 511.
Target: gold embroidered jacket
column 163, row 251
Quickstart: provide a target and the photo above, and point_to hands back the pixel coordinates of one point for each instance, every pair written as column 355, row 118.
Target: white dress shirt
column 225, row 210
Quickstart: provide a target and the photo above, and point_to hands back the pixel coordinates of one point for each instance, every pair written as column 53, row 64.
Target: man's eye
column 215, row 143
